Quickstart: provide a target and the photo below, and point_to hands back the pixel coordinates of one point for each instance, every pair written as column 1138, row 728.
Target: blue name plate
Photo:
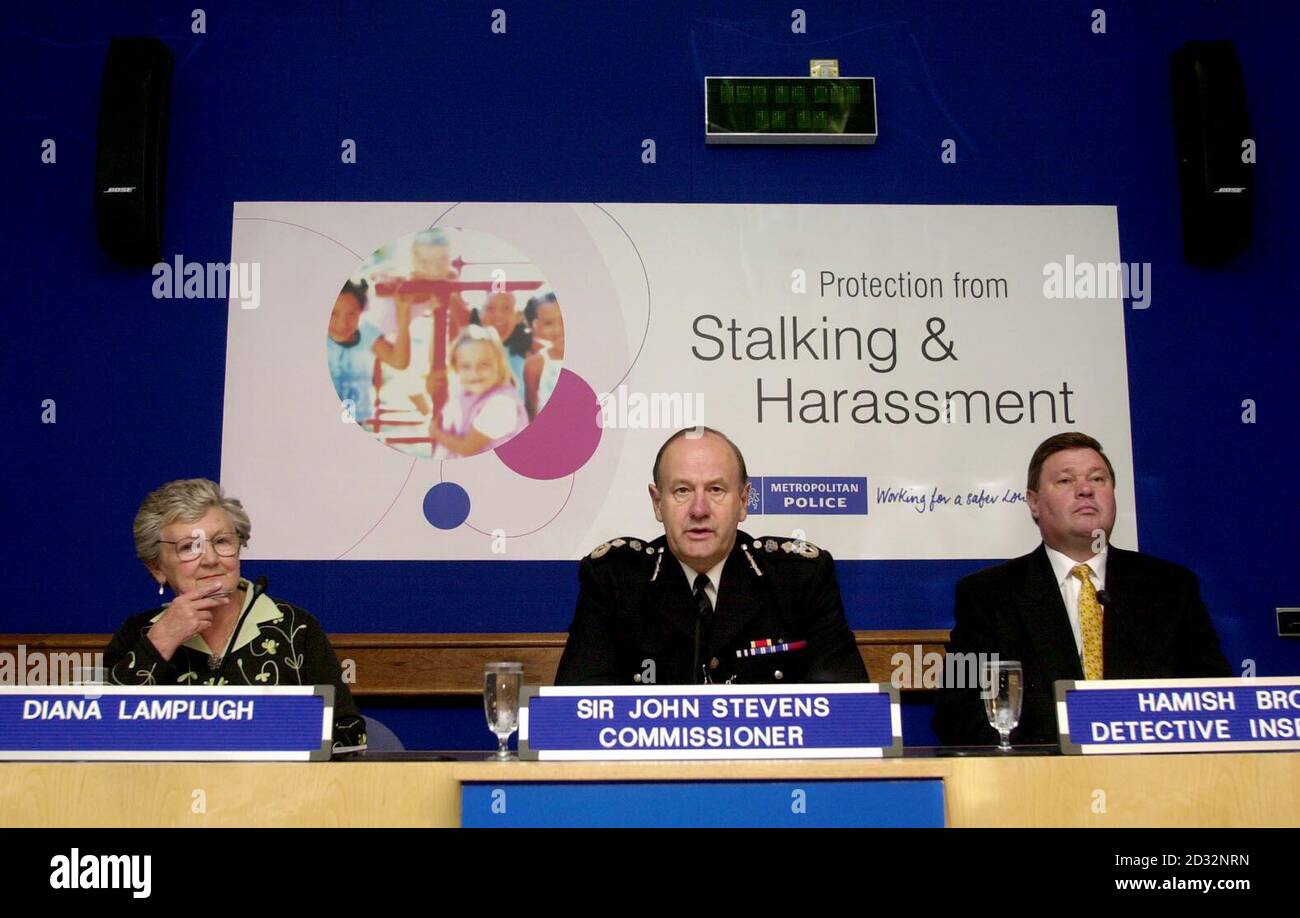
column 851, row 720
column 1178, row 715
column 99, row 722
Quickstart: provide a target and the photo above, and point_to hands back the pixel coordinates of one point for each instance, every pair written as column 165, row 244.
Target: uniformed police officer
column 705, row 602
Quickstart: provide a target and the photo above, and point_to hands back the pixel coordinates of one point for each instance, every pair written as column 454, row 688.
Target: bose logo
column 117, row 190
column 1228, row 190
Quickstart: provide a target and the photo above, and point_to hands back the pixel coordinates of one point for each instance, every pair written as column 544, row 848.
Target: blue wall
column 1042, row 110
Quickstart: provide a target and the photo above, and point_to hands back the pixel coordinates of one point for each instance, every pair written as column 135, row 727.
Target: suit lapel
column 673, row 596
column 1042, row 610
column 1121, row 622
column 740, row 596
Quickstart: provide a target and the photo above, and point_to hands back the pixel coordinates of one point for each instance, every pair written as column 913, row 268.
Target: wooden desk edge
column 1208, row 789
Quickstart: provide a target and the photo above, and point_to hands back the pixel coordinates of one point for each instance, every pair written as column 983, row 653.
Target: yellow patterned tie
column 1089, row 622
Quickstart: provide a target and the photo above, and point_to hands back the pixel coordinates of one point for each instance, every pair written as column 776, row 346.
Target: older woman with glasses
column 219, row 629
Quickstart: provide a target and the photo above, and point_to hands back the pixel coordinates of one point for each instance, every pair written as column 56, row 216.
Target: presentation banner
column 167, row 723
column 488, row 380
column 1178, row 715
column 841, row 721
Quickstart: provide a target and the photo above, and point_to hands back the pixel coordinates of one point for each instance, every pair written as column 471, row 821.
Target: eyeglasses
column 225, row 544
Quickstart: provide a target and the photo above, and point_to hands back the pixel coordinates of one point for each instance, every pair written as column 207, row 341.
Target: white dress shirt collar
column 1070, row 587
column 1063, row 564
column 715, row 578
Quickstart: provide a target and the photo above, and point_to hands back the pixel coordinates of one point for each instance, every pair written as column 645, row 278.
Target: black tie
column 701, row 597
column 704, row 609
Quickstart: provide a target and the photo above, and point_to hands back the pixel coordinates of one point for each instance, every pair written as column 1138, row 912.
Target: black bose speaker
column 1210, row 126
column 131, row 155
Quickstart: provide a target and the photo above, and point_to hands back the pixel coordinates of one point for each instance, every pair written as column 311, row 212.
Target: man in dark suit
column 705, row 602
column 1076, row 607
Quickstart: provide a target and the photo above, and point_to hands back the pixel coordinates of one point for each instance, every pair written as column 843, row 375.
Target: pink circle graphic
column 562, row 437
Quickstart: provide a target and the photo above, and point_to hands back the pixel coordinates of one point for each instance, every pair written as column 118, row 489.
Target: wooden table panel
column 1219, row 789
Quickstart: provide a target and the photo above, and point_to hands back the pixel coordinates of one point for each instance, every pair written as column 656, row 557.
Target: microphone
column 259, row 587
column 1106, row 600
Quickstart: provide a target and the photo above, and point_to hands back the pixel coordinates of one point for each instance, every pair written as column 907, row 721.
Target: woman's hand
column 186, row 616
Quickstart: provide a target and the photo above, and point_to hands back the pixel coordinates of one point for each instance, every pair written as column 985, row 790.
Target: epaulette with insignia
column 633, row 545
column 776, row 544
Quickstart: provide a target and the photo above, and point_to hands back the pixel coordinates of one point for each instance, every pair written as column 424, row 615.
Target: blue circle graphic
column 446, row 505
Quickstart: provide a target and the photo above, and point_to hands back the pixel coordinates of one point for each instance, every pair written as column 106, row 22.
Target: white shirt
column 1070, row 585
column 715, row 577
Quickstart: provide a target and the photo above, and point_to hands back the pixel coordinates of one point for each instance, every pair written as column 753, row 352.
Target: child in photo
column 483, row 408
column 432, row 259
column 542, row 369
column 499, row 311
column 353, row 346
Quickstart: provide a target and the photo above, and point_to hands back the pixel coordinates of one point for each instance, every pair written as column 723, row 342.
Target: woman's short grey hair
column 184, row 501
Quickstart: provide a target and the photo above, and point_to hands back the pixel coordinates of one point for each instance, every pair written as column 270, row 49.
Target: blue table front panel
column 742, row 804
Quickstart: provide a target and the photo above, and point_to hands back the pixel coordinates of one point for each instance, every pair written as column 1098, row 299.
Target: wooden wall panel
column 452, row 664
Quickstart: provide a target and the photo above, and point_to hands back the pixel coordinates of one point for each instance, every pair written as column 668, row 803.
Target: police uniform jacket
column 637, row 613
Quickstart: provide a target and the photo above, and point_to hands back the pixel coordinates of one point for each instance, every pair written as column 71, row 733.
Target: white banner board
column 887, row 371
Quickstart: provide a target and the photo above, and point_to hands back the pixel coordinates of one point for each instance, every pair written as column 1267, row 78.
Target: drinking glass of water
column 1002, row 688
column 501, row 685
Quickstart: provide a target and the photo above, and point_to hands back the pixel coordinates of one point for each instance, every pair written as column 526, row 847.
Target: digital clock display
column 757, row 110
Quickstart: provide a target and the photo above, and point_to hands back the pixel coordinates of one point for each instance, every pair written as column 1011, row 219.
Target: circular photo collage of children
column 445, row 343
